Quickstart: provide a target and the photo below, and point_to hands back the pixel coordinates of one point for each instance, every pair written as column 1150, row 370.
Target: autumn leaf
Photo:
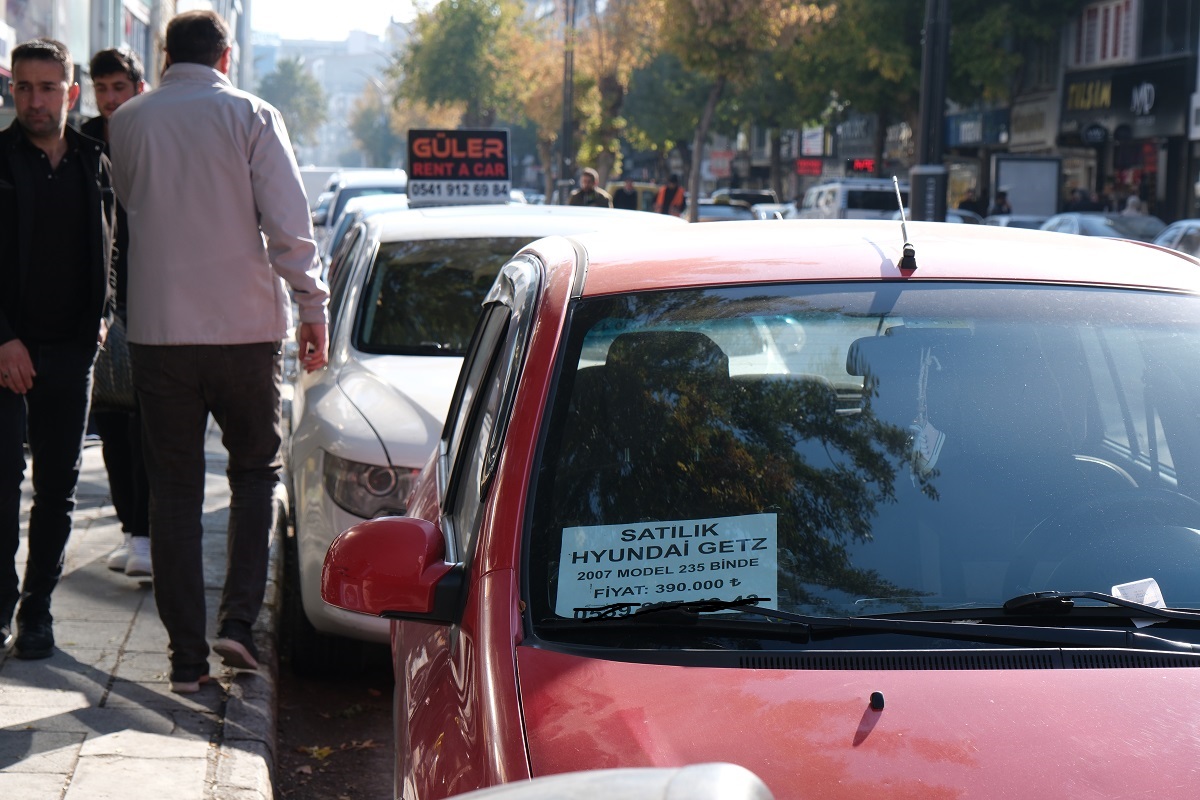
column 318, row 752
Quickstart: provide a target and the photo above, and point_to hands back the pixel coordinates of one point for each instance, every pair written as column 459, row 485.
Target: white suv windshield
column 867, row 449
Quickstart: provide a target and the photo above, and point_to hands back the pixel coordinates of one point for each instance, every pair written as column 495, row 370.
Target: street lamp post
column 568, row 111
column 927, row 180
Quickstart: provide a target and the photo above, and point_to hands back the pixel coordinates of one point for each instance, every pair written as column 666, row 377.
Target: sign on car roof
column 454, row 167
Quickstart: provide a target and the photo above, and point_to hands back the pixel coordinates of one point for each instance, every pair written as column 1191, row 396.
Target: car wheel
column 308, row 652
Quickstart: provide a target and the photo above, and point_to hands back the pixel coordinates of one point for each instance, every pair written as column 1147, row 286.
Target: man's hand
column 314, row 345
column 16, row 367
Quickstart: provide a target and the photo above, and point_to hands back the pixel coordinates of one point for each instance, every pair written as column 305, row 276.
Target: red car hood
column 1019, row 733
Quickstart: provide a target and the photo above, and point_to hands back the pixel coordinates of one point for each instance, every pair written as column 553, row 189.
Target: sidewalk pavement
column 96, row 720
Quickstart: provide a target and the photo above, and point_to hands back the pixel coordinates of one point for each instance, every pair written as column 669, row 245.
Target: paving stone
column 39, row 751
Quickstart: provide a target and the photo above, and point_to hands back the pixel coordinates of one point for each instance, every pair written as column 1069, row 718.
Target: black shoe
column 235, row 645
column 35, row 636
column 6, row 637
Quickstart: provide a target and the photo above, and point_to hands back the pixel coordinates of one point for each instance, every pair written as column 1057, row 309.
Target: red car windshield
column 865, row 449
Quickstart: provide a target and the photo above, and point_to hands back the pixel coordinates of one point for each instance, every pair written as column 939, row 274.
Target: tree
column 463, row 53
column 617, row 39
column 718, row 39
column 868, row 53
column 298, row 96
column 663, row 107
column 370, row 123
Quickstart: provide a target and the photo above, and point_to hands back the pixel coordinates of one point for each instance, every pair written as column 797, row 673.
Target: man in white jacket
column 219, row 230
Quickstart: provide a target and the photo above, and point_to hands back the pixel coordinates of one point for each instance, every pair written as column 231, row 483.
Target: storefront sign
column 720, row 163
column 1094, row 134
column 812, row 142
column 977, row 128
column 1032, row 124
column 1150, row 100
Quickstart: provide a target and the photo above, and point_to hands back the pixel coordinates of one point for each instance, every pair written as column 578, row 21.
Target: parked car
column 722, row 210
column 1031, row 221
column 355, row 183
column 692, row 782
column 758, row 494
column 355, row 209
column 769, row 211
column 406, row 289
column 1142, row 227
column 751, row 196
column 1182, row 235
column 958, row 215
column 851, row 198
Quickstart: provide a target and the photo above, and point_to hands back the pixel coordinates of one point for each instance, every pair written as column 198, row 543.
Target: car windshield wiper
column 1058, row 602
column 688, row 612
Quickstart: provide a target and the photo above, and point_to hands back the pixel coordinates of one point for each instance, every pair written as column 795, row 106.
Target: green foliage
column 297, row 95
column 371, row 127
column 464, row 52
column 663, row 105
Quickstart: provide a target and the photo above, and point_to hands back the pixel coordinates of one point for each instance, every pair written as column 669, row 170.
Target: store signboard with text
column 458, row 167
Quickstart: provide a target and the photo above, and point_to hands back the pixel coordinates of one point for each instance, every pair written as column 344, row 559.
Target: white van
column 851, row 198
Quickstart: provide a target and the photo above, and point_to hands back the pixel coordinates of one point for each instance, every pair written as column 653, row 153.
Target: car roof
column 372, row 202
column 372, row 177
column 865, row 250
column 508, row 219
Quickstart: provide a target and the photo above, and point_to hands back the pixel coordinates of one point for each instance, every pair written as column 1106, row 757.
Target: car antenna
column 909, row 259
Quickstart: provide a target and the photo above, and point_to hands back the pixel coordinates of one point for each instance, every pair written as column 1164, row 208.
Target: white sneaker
column 138, row 563
column 118, row 557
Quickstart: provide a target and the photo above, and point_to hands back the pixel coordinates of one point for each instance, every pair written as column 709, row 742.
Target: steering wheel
column 1083, row 525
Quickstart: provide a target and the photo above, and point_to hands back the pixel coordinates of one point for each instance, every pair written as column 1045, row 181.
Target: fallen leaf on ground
column 317, row 752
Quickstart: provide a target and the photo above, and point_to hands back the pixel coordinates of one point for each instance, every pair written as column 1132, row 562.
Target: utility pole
column 927, row 180
column 565, row 166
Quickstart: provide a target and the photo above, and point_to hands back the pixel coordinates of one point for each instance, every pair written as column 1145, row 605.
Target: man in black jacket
column 57, row 218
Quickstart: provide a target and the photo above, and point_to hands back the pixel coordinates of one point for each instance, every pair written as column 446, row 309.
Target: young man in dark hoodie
column 118, row 76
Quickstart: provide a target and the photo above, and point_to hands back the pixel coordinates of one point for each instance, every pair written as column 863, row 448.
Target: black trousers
column 53, row 417
column 178, row 386
column 121, row 439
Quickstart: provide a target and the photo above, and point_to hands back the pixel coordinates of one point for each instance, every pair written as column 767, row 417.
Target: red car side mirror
column 392, row 567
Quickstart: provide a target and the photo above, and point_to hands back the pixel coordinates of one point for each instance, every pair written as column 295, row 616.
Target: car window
column 339, row 275
column 848, row 450
column 345, row 195
column 468, row 428
column 873, row 199
column 423, row 296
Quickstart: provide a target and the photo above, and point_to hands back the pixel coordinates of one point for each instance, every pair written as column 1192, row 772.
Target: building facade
column 88, row 26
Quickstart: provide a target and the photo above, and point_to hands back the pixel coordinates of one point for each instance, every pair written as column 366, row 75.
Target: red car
column 869, row 518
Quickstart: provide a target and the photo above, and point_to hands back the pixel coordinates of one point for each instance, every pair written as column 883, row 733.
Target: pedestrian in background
column 671, row 198
column 588, row 193
column 117, row 76
column 626, row 196
column 56, row 238
column 219, row 228
column 1000, row 203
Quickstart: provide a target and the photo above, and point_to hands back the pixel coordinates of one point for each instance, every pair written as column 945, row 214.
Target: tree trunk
column 693, row 184
column 777, row 162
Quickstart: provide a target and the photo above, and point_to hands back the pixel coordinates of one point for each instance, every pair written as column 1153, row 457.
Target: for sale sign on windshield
column 455, row 167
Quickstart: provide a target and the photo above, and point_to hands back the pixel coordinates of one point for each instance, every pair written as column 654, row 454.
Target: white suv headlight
column 367, row 490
